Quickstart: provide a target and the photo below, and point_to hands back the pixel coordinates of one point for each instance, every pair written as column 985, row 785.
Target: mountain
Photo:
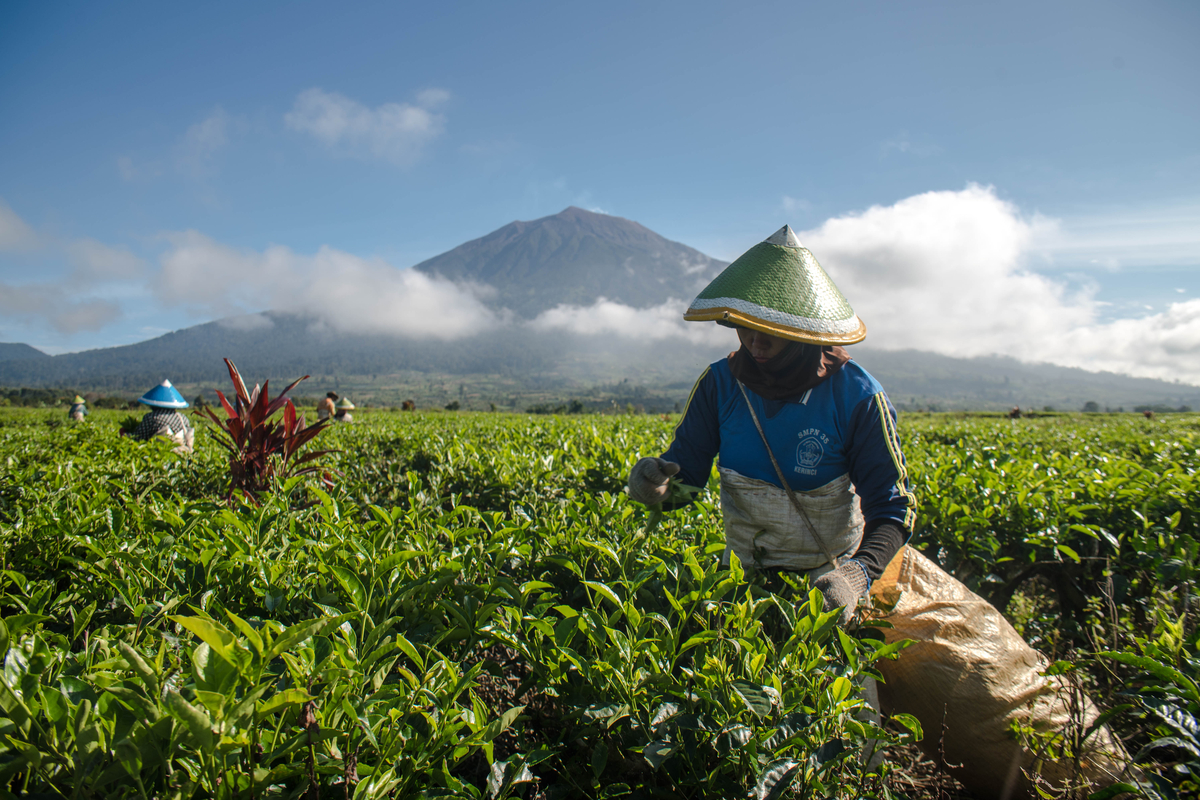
column 515, row 369
column 18, row 352
column 917, row 380
column 576, row 257
column 271, row 345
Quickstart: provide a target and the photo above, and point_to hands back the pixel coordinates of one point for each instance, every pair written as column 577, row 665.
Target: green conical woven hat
column 344, row 403
column 778, row 287
column 78, row 400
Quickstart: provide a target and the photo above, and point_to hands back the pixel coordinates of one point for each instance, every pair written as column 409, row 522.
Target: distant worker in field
column 343, row 407
column 78, row 409
column 813, row 480
column 164, row 418
column 325, row 408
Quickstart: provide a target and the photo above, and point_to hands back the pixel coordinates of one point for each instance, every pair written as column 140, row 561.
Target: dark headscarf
column 796, row 369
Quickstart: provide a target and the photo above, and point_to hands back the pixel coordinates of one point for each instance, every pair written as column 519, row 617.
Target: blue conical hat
column 778, row 287
column 164, row 396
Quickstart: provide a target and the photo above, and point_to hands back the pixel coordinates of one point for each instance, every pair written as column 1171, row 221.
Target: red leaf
column 262, row 400
column 238, row 385
column 228, row 408
column 261, row 449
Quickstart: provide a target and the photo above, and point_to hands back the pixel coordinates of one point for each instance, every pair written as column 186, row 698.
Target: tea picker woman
column 325, row 408
column 343, row 406
column 813, row 479
column 164, row 418
column 78, row 409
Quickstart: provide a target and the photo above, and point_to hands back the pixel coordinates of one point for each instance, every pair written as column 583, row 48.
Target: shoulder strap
column 786, row 487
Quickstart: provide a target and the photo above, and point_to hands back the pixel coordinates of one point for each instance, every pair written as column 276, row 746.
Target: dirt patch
column 914, row 775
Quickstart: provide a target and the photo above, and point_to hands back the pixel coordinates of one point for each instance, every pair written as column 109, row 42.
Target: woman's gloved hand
column 648, row 480
column 844, row 587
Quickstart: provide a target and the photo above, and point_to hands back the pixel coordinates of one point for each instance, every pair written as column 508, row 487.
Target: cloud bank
column 42, row 302
column 345, row 292
column 950, row 272
column 15, row 233
column 96, row 261
column 394, row 132
column 616, row 320
column 963, row 273
column 58, row 304
column 944, row 271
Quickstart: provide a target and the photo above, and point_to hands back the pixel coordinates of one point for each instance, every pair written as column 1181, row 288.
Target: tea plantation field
column 473, row 608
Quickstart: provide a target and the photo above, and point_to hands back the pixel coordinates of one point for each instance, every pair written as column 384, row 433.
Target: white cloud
column 1162, row 236
column 247, row 322
column 606, row 318
column 201, row 143
column 98, row 261
column 346, row 292
column 1164, row 345
column 430, row 98
column 58, row 303
column 949, row 272
column 395, row 132
column 194, row 154
column 50, row 303
column 15, row 233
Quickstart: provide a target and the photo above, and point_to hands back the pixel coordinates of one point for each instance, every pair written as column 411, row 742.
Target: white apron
column 767, row 532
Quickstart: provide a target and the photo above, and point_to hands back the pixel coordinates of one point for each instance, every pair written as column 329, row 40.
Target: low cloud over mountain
column 952, row 272
column 342, row 291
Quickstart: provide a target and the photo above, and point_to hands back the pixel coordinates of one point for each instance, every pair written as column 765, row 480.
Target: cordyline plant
column 262, row 451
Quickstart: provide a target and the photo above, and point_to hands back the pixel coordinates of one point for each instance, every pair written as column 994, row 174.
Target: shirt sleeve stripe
column 691, row 394
column 892, row 437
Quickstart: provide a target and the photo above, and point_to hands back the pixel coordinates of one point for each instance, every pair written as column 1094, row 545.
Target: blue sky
column 259, row 144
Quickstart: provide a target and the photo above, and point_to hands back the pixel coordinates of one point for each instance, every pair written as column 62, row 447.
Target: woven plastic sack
column 968, row 676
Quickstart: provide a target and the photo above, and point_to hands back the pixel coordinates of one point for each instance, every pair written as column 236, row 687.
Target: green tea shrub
column 474, row 609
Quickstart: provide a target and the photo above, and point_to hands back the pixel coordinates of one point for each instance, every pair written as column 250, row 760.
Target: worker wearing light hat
column 342, row 410
column 812, row 476
column 164, row 418
column 78, row 409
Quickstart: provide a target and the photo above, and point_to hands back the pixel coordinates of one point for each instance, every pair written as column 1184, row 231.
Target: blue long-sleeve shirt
column 844, row 425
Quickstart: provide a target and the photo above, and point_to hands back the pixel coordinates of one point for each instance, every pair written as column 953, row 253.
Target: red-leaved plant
column 261, row 451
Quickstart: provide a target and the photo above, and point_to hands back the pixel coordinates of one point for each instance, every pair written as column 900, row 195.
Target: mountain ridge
column 576, row 257
column 19, row 351
column 531, row 365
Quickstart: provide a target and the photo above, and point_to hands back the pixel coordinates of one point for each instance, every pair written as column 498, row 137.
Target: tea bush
column 476, row 610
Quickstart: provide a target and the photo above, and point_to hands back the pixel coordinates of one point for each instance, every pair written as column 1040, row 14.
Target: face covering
column 787, row 376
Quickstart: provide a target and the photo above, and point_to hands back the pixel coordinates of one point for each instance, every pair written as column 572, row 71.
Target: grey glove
column 648, row 480
column 843, row 588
